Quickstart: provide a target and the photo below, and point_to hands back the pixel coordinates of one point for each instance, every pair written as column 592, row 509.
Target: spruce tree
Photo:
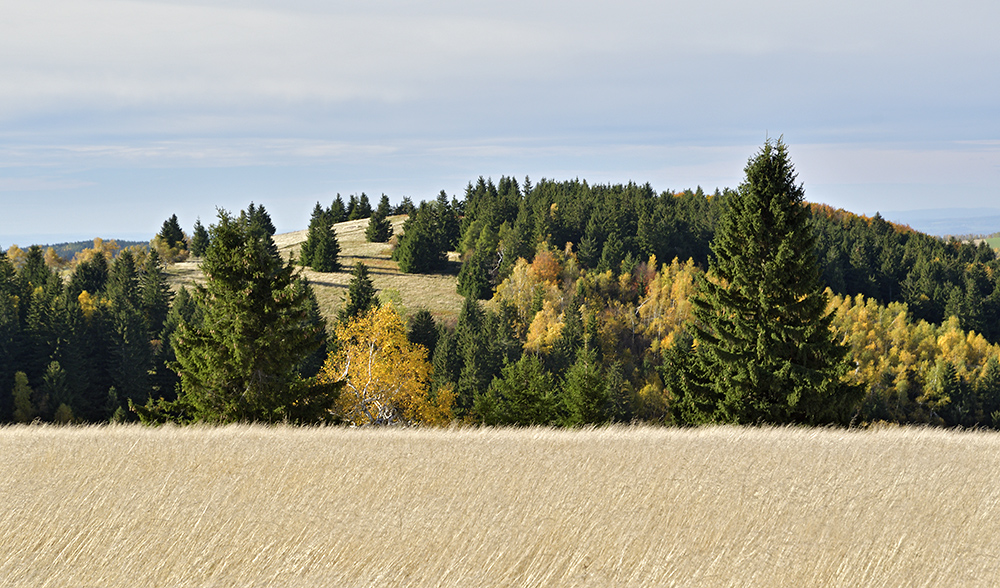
column 337, row 213
column 199, row 239
column 321, row 249
column 364, row 209
column 171, row 233
column 423, row 330
column 422, row 247
column 379, row 226
column 360, row 294
column 765, row 352
column 241, row 361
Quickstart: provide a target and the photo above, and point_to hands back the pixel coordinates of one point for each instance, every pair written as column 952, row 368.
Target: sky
column 115, row 114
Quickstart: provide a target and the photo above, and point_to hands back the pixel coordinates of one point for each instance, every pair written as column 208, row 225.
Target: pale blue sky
column 115, row 114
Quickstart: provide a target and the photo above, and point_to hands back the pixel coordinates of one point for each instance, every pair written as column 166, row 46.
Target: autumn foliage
column 385, row 376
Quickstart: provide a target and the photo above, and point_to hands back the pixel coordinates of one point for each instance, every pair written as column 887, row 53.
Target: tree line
column 570, row 316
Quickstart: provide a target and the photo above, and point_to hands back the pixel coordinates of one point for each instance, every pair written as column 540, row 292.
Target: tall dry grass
column 254, row 506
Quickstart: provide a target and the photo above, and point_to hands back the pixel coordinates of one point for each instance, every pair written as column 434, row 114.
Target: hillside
column 435, row 292
column 258, row 506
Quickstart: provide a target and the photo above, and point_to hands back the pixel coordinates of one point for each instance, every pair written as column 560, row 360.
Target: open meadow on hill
column 435, row 292
column 620, row 506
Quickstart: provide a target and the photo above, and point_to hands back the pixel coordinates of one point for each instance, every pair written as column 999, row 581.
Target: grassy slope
column 436, row 292
column 252, row 506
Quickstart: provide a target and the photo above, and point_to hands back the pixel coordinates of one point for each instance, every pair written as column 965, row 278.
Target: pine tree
column 360, row 295
column 9, row 334
column 765, row 350
column 474, row 277
column 241, row 362
column 199, row 239
column 154, row 294
column 89, row 276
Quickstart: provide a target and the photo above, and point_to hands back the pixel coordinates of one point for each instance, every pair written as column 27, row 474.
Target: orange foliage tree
column 385, row 376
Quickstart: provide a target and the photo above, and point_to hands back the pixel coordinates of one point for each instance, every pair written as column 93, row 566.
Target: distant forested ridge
column 616, row 226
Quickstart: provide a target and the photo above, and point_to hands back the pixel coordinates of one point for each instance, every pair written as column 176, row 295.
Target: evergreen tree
column 474, row 277
column 584, row 391
column 89, row 276
column 405, row 207
column 171, row 232
column 337, row 213
column 765, row 348
column 131, row 353
column 423, row 330
column 364, row 208
column 352, row 208
column 422, row 247
column 524, row 394
column 154, row 294
column 379, row 226
column 24, row 410
column 241, row 362
column 9, row 334
column 321, row 249
column 199, row 239
column 361, row 295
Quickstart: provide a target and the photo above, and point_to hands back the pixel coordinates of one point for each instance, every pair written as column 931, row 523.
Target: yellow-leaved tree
column 385, row 376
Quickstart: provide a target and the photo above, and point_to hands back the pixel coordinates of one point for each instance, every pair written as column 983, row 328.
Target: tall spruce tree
column 765, row 352
column 241, row 361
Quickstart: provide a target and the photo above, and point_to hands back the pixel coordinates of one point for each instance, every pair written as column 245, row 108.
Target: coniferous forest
column 584, row 304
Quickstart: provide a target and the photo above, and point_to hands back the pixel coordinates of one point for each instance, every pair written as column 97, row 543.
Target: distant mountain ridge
column 942, row 222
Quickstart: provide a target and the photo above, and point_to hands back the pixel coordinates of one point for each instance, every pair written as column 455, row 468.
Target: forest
column 584, row 304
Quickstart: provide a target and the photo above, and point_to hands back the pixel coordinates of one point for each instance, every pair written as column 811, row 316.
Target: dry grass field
column 255, row 506
column 435, row 292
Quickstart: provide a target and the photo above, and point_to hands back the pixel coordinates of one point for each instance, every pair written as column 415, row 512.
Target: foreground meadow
column 254, row 506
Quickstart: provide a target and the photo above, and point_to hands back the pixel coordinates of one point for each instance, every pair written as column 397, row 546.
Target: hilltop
column 435, row 292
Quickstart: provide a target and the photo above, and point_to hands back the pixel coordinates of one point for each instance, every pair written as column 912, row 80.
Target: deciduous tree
column 385, row 376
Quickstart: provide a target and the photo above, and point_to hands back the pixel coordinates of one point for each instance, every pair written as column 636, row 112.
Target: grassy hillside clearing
column 435, row 292
column 254, row 506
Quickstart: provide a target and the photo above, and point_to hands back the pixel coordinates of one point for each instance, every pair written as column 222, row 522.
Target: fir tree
column 765, row 350
column 352, row 208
